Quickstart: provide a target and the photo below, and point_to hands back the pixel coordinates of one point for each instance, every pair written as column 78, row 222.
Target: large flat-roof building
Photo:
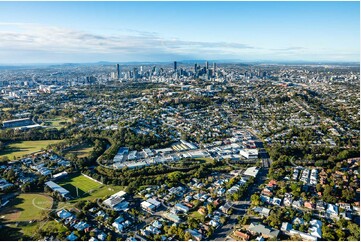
column 172, row 217
column 251, row 171
column 59, row 189
column 17, row 123
column 249, row 153
column 147, row 206
column 116, row 201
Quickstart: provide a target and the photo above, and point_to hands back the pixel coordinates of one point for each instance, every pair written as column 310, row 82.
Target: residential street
column 240, row 208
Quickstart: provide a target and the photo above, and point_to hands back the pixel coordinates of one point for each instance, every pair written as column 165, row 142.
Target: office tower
column 175, row 66
column 214, row 68
column 135, row 75
column 207, row 65
column 195, row 68
column 118, row 71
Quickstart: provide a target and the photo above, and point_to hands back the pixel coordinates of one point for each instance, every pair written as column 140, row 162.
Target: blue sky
column 41, row 32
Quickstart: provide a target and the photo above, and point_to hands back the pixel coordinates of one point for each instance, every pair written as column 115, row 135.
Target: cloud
column 294, row 48
column 30, row 42
column 34, row 37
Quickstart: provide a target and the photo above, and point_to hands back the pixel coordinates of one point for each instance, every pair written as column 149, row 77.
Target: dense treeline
column 126, row 137
column 99, row 146
column 153, row 175
column 312, row 154
column 32, row 134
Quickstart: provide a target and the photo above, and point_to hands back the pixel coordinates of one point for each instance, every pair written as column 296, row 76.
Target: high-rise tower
column 118, row 71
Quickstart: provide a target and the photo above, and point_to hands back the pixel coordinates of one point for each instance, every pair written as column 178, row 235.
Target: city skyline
column 83, row 32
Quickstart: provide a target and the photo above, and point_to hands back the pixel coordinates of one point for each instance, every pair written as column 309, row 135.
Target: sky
column 59, row 32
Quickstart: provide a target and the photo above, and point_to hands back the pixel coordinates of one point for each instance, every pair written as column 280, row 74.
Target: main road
column 240, row 208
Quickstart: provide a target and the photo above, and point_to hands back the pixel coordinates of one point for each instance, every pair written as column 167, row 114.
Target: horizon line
column 224, row 61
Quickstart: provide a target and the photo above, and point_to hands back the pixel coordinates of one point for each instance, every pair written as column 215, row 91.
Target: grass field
column 81, row 150
column 84, row 185
column 101, row 192
column 88, row 190
column 22, row 148
column 57, row 122
column 49, row 225
column 26, row 207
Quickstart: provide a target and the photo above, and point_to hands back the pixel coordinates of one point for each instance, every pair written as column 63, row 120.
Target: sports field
column 22, row 148
column 85, row 185
column 88, row 190
column 26, row 207
column 58, row 122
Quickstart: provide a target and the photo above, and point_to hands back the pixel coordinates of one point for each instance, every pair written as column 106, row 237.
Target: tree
column 192, row 223
column 296, row 189
column 11, row 176
column 175, row 176
column 274, row 219
column 348, row 194
column 255, row 200
column 327, row 233
column 244, row 220
column 223, row 220
column 341, row 235
column 187, row 236
column 302, row 228
column 172, row 231
column 319, row 187
column 354, row 231
column 4, row 159
column 327, row 194
column 180, row 233
column 109, row 237
column 26, row 187
column 307, row 217
column 210, row 208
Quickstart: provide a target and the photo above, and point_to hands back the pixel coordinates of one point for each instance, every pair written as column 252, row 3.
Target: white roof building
column 332, row 209
column 114, row 200
column 315, row 228
column 251, row 171
column 249, row 153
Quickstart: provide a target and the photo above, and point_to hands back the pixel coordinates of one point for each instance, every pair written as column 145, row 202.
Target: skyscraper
column 118, row 71
column 207, row 65
column 214, row 67
column 195, row 68
column 175, row 66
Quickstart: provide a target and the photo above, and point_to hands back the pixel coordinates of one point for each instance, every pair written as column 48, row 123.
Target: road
column 240, row 208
